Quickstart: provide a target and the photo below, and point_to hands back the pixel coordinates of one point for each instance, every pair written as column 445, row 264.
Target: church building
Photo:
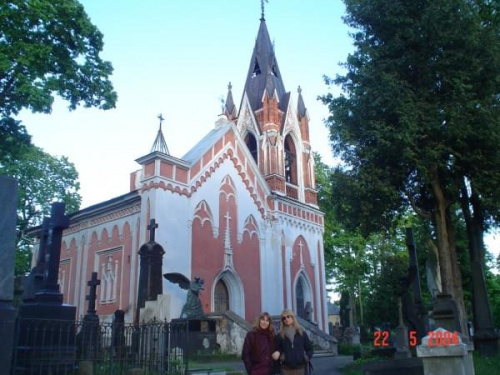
column 239, row 210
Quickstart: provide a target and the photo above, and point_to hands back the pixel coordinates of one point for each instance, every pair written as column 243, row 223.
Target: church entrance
column 221, row 297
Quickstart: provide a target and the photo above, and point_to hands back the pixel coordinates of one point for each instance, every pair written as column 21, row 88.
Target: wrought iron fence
column 53, row 347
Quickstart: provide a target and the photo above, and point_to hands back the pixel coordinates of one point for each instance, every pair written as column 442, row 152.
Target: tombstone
column 8, row 208
column 89, row 338
column 50, row 353
column 445, row 313
column 443, row 355
column 401, row 343
column 34, row 281
column 118, row 335
column 150, row 273
column 413, row 308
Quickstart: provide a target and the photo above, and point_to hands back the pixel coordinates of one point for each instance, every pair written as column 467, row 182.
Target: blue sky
column 176, row 58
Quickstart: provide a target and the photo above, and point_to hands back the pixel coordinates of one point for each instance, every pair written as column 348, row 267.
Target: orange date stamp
column 435, row 338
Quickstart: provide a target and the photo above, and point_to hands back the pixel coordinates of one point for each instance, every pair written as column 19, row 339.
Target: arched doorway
column 228, row 294
column 221, row 297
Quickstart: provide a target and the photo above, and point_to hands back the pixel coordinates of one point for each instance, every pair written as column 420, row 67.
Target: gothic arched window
column 290, row 161
column 251, row 143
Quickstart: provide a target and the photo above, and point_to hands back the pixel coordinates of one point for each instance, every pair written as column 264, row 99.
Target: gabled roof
column 205, row 144
column 263, row 74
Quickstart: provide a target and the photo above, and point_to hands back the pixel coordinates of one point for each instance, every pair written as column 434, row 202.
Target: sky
column 176, row 58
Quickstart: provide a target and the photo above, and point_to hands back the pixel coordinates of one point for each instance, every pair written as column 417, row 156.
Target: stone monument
column 443, row 353
column 150, row 273
column 89, row 338
column 48, row 353
column 8, row 218
column 34, row 281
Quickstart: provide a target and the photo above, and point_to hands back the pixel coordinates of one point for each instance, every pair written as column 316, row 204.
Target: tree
column 49, row 47
column 419, row 114
column 42, row 179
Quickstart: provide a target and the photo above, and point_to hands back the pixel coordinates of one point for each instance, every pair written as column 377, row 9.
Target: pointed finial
column 160, row 117
column 229, row 86
column 299, row 90
column 222, row 104
column 262, row 9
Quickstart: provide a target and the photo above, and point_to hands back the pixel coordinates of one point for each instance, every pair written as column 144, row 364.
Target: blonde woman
column 259, row 347
column 293, row 344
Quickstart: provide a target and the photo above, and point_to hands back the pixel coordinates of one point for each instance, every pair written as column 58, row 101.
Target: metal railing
column 53, row 347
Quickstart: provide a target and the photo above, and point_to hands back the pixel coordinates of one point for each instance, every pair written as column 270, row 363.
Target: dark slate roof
column 230, row 107
column 301, row 107
column 263, row 73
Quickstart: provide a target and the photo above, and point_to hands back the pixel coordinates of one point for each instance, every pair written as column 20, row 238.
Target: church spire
column 263, row 75
column 229, row 107
column 159, row 144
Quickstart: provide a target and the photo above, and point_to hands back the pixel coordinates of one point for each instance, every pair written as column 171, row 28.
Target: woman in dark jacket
column 294, row 345
column 259, row 347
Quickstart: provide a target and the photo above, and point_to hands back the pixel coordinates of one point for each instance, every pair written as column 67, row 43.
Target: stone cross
column 301, row 245
column 152, row 227
column 228, row 251
column 59, row 221
column 91, row 297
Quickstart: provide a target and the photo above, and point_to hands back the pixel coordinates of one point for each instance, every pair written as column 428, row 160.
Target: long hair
column 256, row 323
column 295, row 324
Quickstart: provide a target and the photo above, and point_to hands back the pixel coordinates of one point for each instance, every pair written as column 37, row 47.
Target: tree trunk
column 450, row 274
column 483, row 320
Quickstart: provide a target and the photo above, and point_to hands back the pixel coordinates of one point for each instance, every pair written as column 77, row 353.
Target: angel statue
column 192, row 308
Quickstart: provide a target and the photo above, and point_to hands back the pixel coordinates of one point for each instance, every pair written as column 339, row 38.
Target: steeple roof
column 263, row 74
column 159, row 144
column 229, row 107
column 301, row 107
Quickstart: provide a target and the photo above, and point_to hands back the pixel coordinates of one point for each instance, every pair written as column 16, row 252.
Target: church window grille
column 290, row 161
column 251, row 143
column 256, row 69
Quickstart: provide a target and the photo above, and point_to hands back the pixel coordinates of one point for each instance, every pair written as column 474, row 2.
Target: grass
column 482, row 366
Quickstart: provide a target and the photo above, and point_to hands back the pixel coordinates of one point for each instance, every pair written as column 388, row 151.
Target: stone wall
column 231, row 330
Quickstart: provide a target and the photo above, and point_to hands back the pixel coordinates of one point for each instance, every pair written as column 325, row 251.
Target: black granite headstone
column 150, row 273
column 8, row 217
column 89, row 337
column 50, row 353
column 118, row 333
column 34, row 281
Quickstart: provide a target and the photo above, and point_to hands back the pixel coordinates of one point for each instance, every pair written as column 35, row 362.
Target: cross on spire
column 160, row 117
column 262, row 9
column 91, row 297
column 152, row 227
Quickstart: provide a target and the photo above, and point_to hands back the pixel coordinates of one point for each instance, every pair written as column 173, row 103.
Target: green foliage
column 42, row 179
column 49, row 48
